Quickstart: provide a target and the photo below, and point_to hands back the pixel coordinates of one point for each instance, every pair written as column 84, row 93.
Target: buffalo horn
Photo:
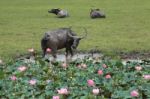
column 77, row 36
column 84, row 34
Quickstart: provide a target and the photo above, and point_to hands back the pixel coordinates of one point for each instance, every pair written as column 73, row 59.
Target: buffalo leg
column 67, row 53
column 71, row 52
column 44, row 52
column 43, row 45
column 54, row 52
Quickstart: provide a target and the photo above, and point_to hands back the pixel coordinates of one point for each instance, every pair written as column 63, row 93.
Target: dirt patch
column 135, row 55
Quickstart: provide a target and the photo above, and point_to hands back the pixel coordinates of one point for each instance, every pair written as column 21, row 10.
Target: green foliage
column 51, row 77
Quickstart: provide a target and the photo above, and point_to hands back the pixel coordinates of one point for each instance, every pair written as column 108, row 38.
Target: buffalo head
column 97, row 13
column 76, row 39
column 55, row 11
column 46, row 37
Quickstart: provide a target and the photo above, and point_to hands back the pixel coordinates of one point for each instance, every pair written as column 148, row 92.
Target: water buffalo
column 97, row 13
column 61, row 38
column 60, row 13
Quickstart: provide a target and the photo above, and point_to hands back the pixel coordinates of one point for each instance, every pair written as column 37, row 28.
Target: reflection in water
column 61, row 57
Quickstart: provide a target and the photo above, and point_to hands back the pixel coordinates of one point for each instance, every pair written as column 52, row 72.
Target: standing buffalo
column 96, row 13
column 61, row 38
column 60, row 13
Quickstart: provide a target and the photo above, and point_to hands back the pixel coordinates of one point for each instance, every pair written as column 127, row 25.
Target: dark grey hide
column 60, row 38
column 60, row 13
column 96, row 13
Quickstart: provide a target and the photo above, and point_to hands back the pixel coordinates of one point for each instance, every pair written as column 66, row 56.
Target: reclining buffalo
column 97, row 13
column 59, row 39
column 59, row 12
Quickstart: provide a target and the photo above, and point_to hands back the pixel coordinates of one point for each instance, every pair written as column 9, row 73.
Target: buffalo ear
column 80, row 38
column 46, row 36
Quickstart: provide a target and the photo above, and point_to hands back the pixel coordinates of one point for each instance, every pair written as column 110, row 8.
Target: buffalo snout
column 73, row 47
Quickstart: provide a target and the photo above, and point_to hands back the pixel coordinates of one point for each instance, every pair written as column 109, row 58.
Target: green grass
column 126, row 28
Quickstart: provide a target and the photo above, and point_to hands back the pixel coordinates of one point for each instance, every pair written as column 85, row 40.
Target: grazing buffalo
column 61, row 38
column 96, row 13
column 60, row 13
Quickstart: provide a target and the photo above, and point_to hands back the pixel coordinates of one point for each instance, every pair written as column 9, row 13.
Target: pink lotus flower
column 134, row 93
column 138, row 68
column 56, row 97
column 48, row 50
column 79, row 65
column 22, row 68
column 90, row 82
column 147, row 77
column 108, row 76
column 32, row 82
column 31, row 50
column 63, row 91
column 13, row 78
column 64, row 65
column 95, row 91
column 100, row 72
column 104, row 66
column 83, row 65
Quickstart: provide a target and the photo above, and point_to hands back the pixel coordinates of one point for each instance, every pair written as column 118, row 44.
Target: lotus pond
column 87, row 78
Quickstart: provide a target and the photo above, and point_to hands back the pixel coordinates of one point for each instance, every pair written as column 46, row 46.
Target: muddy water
column 61, row 57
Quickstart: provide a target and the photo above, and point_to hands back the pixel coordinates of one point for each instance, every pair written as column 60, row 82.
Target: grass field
column 126, row 28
